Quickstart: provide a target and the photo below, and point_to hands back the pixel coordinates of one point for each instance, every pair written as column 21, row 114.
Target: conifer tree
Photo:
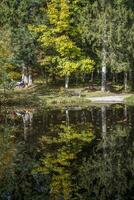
column 122, row 42
column 96, row 23
column 106, row 27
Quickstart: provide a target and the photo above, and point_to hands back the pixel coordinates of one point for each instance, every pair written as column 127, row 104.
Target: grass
column 41, row 95
column 130, row 100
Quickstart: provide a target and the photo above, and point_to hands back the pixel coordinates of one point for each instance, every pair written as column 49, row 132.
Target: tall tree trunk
column 30, row 81
column 104, row 53
column 25, row 75
column 66, row 82
column 103, row 81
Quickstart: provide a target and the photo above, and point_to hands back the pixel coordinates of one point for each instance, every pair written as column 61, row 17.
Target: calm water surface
column 70, row 154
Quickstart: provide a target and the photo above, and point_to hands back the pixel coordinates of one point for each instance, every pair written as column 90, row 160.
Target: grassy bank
column 40, row 95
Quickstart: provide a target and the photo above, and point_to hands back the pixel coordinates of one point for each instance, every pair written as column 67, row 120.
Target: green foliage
column 60, row 38
column 119, row 31
column 5, row 55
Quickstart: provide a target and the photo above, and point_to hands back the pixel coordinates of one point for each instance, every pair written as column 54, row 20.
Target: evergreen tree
column 96, row 23
column 24, row 46
column 122, row 40
column 106, row 27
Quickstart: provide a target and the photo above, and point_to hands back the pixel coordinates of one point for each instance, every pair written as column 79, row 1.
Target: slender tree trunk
column 92, row 77
column 26, row 80
column 25, row 75
column 104, row 54
column 103, row 81
column 66, row 82
column 67, row 118
column 29, row 73
column 30, row 81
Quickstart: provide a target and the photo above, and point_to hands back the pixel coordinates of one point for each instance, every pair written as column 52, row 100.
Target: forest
column 66, row 100
column 67, row 43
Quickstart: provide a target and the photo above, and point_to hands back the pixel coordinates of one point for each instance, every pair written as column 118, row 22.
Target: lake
column 68, row 154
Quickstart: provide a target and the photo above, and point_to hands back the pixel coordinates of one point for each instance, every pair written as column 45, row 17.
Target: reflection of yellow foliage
column 68, row 135
column 59, row 161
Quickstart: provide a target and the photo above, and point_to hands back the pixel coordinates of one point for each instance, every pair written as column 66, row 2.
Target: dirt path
column 110, row 99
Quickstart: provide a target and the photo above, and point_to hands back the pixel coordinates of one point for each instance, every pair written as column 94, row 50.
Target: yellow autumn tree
column 56, row 37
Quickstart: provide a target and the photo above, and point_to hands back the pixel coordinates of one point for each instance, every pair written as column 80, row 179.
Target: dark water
column 72, row 154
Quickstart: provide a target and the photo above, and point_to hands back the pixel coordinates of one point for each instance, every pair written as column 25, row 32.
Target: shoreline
column 50, row 97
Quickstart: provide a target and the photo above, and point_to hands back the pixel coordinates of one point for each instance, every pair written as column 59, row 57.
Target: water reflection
column 67, row 154
column 60, row 153
column 27, row 116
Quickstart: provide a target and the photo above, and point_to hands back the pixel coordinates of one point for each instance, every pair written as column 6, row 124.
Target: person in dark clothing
column 20, row 84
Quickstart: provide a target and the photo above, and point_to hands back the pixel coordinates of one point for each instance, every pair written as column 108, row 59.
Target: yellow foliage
column 56, row 36
column 37, row 29
column 69, row 142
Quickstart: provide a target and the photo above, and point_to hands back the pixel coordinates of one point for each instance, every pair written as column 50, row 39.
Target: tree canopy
column 72, row 39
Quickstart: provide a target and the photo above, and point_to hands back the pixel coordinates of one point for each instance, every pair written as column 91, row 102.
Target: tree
column 17, row 15
column 122, row 39
column 95, row 30
column 104, row 27
column 62, row 52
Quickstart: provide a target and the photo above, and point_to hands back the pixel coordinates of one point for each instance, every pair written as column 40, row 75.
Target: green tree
column 107, row 28
column 18, row 14
column 122, row 39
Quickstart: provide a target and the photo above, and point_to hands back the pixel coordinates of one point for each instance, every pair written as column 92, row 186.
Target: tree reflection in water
column 108, row 173
column 71, row 154
column 60, row 155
